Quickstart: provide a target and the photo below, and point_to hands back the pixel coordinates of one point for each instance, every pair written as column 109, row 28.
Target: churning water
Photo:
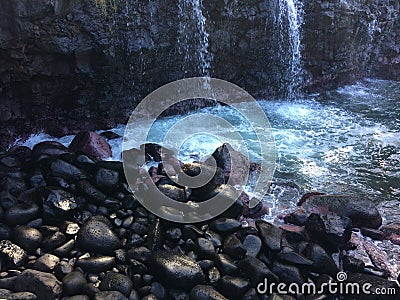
column 343, row 141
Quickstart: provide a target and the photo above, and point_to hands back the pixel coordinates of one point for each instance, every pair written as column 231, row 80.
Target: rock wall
column 67, row 65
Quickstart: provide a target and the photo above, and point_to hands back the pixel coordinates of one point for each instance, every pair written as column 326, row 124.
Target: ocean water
column 341, row 141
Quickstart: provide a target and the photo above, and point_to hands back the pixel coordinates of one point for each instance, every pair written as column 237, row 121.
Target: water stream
column 193, row 39
column 289, row 19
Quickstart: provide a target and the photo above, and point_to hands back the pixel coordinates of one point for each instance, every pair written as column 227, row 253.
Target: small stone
column 205, row 248
column 233, row 247
column 22, row 296
column 233, row 287
column 53, row 241
column 46, row 263
column 225, row 226
column 107, row 179
column 21, row 214
column 252, row 244
column 13, row 253
column 91, row 144
column 270, row 235
column 287, row 273
column 289, row 255
column 116, row 282
column 109, row 295
column 44, row 285
column 204, row 292
column 96, row 236
column 96, row 264
column 330, row 229
column 74, row 283
column 225, row 265
column 158, row 290
column 374, row 234
column 91, row 192
column 322, row 261
column 27, row 237
column 176, row 270
column 255, row 270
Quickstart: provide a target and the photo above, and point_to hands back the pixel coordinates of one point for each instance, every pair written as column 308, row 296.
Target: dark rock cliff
column 67, row 65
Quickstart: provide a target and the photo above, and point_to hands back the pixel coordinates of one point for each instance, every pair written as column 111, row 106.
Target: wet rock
column 22, row 296
column 225, row 226
column 287, row 273
column 173, row 192
column 394, row 238
column 77, row 297
column 235, row 166
column 158, row 290
column 255, row 270
column 294, row 233
column 270, row 235
column 361, row 211
column 107, row 179
column 92, row 144
column 289, row 255
column 204, row 292
column 7, row 282
column 141, row 254
column 57, row 204
column 330, row 229
column 205, row 248
column 91, row 192
column 352, row 264
column 96, row 236
column 109, row 295
column 49, row 148
column 275, row 296
column 12, row 253
column 53, row 241
column 21, row 214
column 63, row 169
column 233, row 287
column 116, row 282
column 225, row 265
column 44, row 285
column 322, row 261
column 13, row 182
column 63, row 268
column 7, row 200
column 96, row 264
column 46, row 263
column 233, row 247
column 73, row 283
column 27, row 237
column 213, row 275
column 372, row 233
column 176, row 270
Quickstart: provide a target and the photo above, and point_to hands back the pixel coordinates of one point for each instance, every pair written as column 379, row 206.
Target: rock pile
column 71, row 228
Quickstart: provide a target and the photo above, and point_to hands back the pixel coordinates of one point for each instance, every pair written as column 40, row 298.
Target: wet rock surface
column 95, row 241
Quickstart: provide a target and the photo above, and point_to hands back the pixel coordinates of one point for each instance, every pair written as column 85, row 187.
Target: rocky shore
column 71, row 228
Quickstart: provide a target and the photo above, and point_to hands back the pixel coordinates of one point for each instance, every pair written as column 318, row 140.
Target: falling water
column 289, row 20
column 193, row 39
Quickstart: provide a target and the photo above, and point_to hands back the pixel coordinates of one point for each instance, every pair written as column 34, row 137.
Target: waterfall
column 289, row 21
column 193, row 39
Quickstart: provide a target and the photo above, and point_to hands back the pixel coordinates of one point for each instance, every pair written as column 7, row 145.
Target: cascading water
column 193, row 39
column 289, row 19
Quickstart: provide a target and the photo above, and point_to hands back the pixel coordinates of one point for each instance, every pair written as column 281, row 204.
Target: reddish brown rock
column 92, row 144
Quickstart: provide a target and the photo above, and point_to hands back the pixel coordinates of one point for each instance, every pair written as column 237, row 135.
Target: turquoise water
column 342, row 141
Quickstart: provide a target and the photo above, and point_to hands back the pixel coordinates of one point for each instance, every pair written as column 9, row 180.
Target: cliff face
column 68, row 64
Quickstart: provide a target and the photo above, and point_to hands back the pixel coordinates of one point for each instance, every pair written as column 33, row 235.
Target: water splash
column 289, row 21
column 193, row 39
